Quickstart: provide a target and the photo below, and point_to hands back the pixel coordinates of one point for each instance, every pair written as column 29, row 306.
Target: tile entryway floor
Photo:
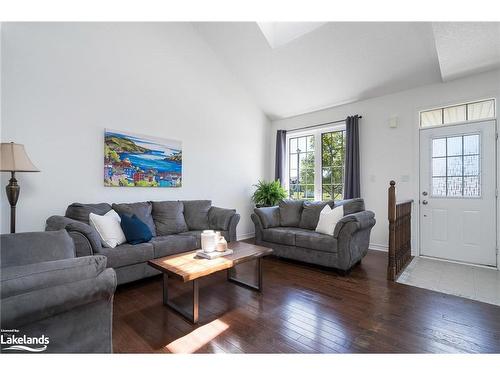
column 477, row 283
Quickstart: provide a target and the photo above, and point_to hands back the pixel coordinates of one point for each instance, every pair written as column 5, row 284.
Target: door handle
column 424, row 193
column 424, row 202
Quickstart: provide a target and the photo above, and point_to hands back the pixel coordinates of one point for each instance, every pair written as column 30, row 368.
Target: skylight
column 280, row 33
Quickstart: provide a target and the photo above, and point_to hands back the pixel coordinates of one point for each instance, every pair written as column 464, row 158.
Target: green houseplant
column 268, row 194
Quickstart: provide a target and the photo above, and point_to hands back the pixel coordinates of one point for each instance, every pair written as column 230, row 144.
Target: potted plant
column 268, row 194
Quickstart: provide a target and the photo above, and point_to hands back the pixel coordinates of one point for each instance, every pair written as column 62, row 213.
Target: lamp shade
column 13, row 158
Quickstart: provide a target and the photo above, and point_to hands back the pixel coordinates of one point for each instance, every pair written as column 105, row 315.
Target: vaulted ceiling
column 302, row 68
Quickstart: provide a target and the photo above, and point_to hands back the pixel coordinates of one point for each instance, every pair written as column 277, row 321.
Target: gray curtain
column 351, row 183
column 279, row 171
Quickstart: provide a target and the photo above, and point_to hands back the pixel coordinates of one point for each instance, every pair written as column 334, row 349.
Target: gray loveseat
column 176, row 227
column 46, row 291
column 290, row 230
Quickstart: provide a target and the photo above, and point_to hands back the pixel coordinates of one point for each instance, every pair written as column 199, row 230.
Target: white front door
column 457, row 193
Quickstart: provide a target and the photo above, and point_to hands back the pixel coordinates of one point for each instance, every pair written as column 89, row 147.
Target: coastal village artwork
column 137, row 160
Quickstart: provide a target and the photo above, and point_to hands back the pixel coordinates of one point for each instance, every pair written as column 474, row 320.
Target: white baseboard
column 245, row 236
column 378, row 247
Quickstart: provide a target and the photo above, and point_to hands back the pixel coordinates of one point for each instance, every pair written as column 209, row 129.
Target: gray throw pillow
column 168, row 217
column 196, row 214
column 290, row 212
column 269, row 216
column 310, row 214
column 81, row 211
column 140, row 209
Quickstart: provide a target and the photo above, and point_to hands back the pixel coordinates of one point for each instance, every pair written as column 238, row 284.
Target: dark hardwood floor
column 305, row 309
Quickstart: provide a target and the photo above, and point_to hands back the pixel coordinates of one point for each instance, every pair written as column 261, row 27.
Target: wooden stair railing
column 399, row 215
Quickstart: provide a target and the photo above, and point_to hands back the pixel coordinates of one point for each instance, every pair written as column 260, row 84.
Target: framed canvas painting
column 139, row 160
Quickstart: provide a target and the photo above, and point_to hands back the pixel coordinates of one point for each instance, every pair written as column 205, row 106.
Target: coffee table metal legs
column 191, row 316
column 258, row 287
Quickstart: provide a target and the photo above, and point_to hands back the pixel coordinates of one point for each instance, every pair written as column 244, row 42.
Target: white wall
column 387, row 153
column 64, row 83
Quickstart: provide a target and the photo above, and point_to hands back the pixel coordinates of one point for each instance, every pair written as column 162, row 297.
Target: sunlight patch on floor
column 196, row 339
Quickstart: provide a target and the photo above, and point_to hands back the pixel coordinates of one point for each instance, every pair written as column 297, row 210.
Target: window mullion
column 317, row 166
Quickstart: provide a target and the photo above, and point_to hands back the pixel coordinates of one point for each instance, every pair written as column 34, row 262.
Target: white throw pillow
column 109, row 228
column 328, row 219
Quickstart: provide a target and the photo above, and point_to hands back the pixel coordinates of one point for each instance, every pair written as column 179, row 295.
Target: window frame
column 316, row 133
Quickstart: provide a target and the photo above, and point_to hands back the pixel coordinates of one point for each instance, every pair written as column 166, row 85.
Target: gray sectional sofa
column 46, row 291
column 290, row 230
column 176, row 227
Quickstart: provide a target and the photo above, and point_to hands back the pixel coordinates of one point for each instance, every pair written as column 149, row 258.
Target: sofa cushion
column 197, row 235
column 316, row 241
column 351, row 206
column 310, row 214
column 127, row 254
column 280, row 235
column 196, row 214
column 173, row 244
column 168, row 217
column 18, row 249
column 290, row 212
column 140, row 209
column 269, row 216
column 81, row 211
column 23, row 279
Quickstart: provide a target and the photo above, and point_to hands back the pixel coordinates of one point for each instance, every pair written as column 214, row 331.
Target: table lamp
column 13, row 158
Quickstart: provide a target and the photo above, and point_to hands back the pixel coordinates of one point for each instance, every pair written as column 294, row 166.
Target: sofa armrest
column 233, row 223
column 359, row 220
column 86, row 238
column 353, row 238
column 40, row 304
column 219, row 218
column 258, row 227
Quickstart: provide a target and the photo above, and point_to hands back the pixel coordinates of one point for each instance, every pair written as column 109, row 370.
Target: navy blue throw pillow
column 135, row 230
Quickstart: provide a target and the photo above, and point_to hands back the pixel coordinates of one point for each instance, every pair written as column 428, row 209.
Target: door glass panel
column 454, row 186
column 439, row 186
column 454, row 146
column 471, row 144
column 456, row 166
column 471, row 165
column 471, row 186
column 439, row 167
column 439, row 147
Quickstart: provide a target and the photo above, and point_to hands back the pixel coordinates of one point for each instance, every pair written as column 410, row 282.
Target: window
column 332, row 165
column 458, row 113
column 316, row 164
column 455, row 166
column 301, row 167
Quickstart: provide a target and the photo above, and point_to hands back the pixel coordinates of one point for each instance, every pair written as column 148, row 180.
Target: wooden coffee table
column 188, row 267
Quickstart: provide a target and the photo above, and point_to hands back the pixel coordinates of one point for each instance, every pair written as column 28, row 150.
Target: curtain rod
column 324, row 123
